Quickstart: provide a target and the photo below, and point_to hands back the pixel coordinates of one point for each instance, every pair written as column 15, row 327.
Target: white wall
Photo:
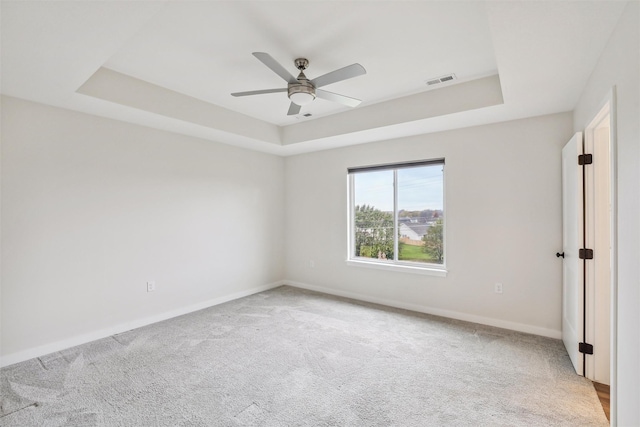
column 503, row 224
column 92, row 208
column 619, row 65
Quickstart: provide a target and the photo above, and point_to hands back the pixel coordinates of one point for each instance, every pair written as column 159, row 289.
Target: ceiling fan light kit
column 302, row 91
column 301, row 95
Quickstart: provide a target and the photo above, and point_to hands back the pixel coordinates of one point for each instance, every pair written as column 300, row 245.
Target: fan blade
column 293, row 109
column 330, row 96
column 259, row 92
column 348, row 72
column 275, row 66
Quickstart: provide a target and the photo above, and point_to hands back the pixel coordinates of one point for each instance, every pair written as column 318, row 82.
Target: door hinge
column 585, row 159
column 585, row 348
column 585, row 253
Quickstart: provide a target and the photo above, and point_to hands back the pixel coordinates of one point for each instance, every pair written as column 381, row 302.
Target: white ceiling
column 172, row 65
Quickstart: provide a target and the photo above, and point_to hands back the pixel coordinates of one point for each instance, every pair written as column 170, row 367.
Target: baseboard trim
column 498, row 323
column 42, row 350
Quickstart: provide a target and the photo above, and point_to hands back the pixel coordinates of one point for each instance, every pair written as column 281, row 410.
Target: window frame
column 393, row 265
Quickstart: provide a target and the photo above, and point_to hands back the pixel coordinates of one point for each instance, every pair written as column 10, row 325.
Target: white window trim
column 427, row 270
column 398, row 266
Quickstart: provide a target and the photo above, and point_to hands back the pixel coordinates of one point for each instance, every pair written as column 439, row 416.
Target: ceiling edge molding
column 129, row 91
column 470, row 95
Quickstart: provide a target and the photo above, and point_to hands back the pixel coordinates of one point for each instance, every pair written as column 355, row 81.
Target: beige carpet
column 289, row 357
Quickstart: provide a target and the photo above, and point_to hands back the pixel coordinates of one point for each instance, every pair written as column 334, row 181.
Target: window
column 397, row 214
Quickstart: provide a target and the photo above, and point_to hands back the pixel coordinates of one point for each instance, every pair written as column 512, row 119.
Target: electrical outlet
column 498, row 288
column 151, row 286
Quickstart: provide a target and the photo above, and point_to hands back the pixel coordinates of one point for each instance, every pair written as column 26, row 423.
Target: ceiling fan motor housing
column 302, row 92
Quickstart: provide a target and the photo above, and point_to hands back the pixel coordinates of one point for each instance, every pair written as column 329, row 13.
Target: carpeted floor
column 289, row 357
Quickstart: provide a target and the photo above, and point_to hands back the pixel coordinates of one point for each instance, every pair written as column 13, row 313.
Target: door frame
column 608, row 107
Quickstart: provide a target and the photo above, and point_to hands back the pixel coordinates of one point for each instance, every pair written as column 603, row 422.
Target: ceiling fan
column 301, row 90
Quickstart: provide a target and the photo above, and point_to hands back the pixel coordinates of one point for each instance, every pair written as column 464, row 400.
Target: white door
column 572, row 292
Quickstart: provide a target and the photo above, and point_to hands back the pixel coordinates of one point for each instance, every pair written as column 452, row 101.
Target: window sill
column 427, row 271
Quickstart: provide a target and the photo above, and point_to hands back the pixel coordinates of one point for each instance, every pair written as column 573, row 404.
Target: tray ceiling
column 173, row 65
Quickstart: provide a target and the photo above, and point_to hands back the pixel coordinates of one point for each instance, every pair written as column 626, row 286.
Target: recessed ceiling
column 511, row 60
column 204, row 49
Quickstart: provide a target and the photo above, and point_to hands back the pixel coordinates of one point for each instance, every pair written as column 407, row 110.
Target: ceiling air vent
column 441, row 79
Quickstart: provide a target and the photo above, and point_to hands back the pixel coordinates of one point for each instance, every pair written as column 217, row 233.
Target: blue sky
column 419, row 188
